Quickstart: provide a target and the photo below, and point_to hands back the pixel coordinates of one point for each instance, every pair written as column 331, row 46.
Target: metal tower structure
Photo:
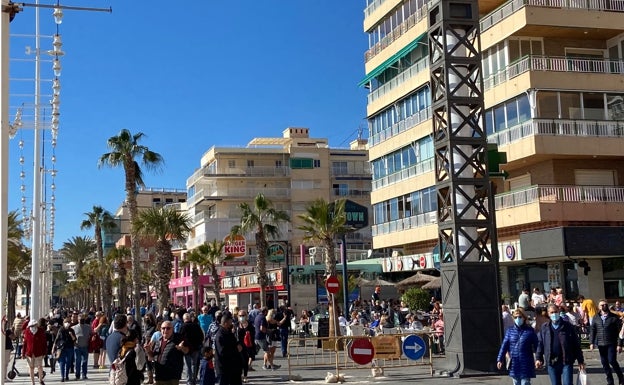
column 465, row 209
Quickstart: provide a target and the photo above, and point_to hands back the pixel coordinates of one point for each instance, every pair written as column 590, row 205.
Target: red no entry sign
column 362, row 351
column 332, row 285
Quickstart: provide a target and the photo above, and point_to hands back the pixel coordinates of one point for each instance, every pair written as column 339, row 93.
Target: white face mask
column 33, row 329
column 66, row 324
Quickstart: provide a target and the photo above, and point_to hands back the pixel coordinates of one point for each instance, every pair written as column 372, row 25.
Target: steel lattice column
column 466, row 232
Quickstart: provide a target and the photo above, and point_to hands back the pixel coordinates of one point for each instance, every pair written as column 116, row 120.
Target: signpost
column 332, row 285
column 414, row 347
column 362, row 351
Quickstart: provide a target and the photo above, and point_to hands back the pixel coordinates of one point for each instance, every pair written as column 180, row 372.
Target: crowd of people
column 213, row 347
column 545, row 332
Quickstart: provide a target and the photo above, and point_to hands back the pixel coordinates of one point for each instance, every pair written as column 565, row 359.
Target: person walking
column 228, row 363
column 81, row 349
column 603, row 333
column 558, row 347
column 35, row 347
column 283, row 323
column 129, row 355
column 167, row 354
column 113, row 341
column 520, row 342
column 65, row 340
column 193, row 338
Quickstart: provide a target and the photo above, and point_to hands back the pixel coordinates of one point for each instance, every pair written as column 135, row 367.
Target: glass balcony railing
column 372, row 7
column 559, row 193
column 408, row 73
column 513, row 6
column 559, row 127
column 402, row 224
column 399, row 127
column 397, row 32
column 399, row 176
column 555, row 64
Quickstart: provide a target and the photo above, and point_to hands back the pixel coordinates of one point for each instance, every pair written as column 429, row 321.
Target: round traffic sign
column 423, row 262
column 414, row 347
column 362, row 351
column 332, row 285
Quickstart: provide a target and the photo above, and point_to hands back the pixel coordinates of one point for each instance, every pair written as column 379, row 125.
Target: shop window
column 613, row 276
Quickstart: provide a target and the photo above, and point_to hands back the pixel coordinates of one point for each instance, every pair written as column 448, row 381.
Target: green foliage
column 416, row 298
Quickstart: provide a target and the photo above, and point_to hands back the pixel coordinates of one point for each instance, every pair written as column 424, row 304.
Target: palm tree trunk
column 216, row 283
column 134, row 239
column 261, row 245
column 163, row 273
column 195, row 276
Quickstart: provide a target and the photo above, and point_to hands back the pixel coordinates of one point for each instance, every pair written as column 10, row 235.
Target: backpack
column 141, row 358
column 118, row 374
column 248, row 341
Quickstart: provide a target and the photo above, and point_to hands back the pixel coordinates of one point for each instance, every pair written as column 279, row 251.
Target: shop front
column 244, row 289
column 182, row 293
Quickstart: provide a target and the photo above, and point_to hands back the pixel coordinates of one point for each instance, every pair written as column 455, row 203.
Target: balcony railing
column 553, row 194
column 559, row 127
column 513, row 6
column 414, row 170
column 372, row 7
column 351, row 193
column 554, row 64
column 402, row 224
column 401, row 126
column 399, row 31
column 401, row 78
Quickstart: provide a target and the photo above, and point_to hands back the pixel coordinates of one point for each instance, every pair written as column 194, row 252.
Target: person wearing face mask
column 228, row 364
column 520, row 342
column 35, row 347
column 603, row 333
column 558, row 348
column 65, row 340
column 244, row 335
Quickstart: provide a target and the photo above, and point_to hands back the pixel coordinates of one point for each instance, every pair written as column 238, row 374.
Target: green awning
column 393, row 59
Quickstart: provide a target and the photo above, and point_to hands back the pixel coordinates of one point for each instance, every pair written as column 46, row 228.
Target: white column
column 4, row 165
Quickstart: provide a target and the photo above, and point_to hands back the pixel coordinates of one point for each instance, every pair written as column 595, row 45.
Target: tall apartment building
column 554, row 100
column 291, row 171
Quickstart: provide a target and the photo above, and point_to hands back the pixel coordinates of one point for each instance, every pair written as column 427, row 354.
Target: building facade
column 292, row 171
column 554, row 103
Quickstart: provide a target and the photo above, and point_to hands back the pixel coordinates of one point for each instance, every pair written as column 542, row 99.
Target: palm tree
column 162, row 225
column 323, row 221
column 117, row 258
column 125, row 148
column 206, row 256
column 18, row 263
column 264, row 220
column 78, row 250
column 100, row 219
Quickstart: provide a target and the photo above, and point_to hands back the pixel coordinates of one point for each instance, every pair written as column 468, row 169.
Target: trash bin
column 302, row 336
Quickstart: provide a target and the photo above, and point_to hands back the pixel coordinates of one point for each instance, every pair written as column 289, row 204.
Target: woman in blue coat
column 520, row 342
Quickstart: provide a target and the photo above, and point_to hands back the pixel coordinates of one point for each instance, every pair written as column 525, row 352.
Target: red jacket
column 35, row 345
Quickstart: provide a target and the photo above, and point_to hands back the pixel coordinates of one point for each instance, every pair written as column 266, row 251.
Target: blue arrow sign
column 414, row 347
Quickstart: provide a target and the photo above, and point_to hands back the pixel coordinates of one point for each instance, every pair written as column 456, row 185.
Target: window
column 339, row 168
column 168, row 200
column 212, row 211
column 278, row 163
column 231, row 163
column 317, row 163
column 298, row 163
column 341, row 189
column 250, row 163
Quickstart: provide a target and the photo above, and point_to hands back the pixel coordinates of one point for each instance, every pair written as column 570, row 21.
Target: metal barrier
column 335, row 352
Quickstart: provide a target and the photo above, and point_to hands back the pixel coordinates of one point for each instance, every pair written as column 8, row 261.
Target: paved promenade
column 317, row 375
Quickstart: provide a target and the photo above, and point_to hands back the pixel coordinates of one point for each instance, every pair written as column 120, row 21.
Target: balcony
column 400, row 79
column 413, row 171
column 212, row 228
column 399, row 31
column 260, row 171
column 237, row 193
column 553, row 64
column 372, row 7
column 401, row 126
column 351, row 193
column 513, row 6
column 559, row 203
column 402, row 224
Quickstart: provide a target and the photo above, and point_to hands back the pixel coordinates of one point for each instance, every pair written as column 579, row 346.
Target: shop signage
column 276, row 252
column 249, row 280
column 235, row 246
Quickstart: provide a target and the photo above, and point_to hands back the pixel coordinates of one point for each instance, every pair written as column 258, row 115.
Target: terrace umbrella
column 435, row 283
column 373, row 282
column 417, row 279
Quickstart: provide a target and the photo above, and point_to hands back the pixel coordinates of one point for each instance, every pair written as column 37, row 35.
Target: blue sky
column 189, row 75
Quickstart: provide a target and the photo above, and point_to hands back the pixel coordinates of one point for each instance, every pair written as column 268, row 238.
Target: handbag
column 57, row 353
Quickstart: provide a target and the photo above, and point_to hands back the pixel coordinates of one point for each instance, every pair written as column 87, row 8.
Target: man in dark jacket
column 193, row 338
column 228, row 364
column 604, row 331
column 558, row 347
column 167, row 355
